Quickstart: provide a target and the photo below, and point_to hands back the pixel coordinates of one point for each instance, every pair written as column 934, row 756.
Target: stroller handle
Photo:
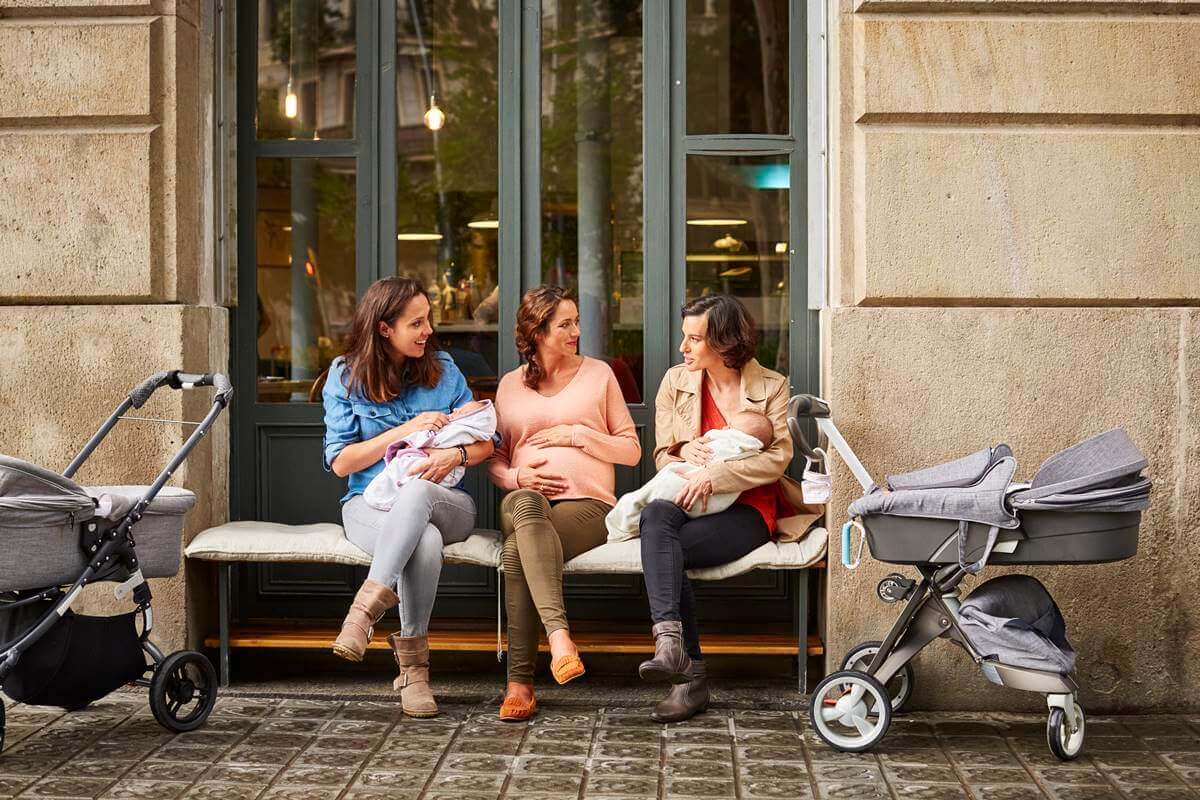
column 177, row 379
column 808, row 406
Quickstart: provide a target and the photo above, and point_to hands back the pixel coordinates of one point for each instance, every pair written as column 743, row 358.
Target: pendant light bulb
column 291, row 104
column 435, row 118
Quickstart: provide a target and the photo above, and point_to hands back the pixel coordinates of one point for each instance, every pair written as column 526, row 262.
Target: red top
column 763, row 499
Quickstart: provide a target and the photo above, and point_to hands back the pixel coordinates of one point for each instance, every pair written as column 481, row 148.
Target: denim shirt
column 351, row 418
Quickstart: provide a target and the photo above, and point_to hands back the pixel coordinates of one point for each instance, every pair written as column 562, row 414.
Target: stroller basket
column 41, row 515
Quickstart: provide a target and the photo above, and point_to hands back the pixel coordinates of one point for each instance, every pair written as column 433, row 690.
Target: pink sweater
column 603, row 433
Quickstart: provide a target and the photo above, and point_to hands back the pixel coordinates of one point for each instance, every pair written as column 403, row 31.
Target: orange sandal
column 566, row 668
column 514, row 709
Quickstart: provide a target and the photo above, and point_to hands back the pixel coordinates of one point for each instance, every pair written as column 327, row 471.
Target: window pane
column 737, row 66
column 447, row 181
column 737, row 241
column 305, row 234
column 306, row 69
column 592, row 174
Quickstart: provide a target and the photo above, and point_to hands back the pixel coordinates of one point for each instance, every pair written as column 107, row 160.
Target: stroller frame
column 930, row 612
column 112, row 552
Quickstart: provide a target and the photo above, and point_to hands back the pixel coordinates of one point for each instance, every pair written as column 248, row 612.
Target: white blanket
column 401, row 456
column 727, row 444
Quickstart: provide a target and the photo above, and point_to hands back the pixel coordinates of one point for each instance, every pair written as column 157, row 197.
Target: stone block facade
column 102, row 276
column 1017, row 236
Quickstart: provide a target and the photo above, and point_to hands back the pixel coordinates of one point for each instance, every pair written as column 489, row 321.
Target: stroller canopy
column 1098, row 474
column 31, row 496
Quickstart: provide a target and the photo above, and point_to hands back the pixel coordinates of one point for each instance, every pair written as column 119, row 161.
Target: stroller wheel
column 900, row 687
column 850, row 711
column 183, row 691
column 1065, row 743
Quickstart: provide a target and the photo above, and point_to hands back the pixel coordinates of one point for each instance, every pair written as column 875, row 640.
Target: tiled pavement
column 335, row 750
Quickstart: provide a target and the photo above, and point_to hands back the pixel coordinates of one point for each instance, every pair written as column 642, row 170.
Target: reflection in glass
column 592, row 174
column 447, row 179
column 306, row 69
column 304, row 232
column 737, row 66
column 737, row 241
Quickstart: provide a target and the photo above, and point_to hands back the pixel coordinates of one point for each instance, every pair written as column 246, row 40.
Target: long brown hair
column 533, row 318
column 370, row 366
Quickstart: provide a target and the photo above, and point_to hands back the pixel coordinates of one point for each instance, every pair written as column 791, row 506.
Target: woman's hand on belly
column 547, row 483
column 698, row 487
column 557, row 436
column 435, row 468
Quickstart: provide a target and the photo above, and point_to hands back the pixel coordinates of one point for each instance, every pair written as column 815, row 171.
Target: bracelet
column 462, row 455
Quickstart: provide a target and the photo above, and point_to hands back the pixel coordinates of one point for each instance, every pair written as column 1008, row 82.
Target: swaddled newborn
column 748, row 433
column 470, row 423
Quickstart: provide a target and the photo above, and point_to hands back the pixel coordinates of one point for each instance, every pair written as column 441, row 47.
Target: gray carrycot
column 42, row 513
column 1084, row 505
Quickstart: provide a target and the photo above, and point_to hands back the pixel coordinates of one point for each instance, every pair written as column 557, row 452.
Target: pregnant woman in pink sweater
column 564, row 424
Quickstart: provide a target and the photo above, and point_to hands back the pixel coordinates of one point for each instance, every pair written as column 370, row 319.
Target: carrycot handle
column 805, row 406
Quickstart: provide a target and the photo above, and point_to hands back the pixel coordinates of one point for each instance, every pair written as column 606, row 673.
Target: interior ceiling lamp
column 717, row 222
column 486, row 221
column 781, row 247
column 416, row 233
column 435, row 118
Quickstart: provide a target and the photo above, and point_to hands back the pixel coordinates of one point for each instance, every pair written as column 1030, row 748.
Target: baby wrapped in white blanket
column 749, row 433
column 473, row 422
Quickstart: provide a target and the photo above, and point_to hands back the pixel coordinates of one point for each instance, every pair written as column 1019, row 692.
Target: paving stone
column 692, row 787
column 772, row 771
column 621, row 786
column 681, row 769
column 1006, row 792
column 477, row 763
column 60, row 786
column 224, row 791
column 1082, row 793
column 853, row 791
column 931, row 791
column 146, row 790
column 242, row 773
column 699, row 752
column 1159, row 793
column 626, row 767
column 554, row 785
column 780, row 789
column 628, row 750
column 863, row 772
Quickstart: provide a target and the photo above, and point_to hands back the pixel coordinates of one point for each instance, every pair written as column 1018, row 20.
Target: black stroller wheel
column 183, row 691
column 900, row 687
column 1066, row 743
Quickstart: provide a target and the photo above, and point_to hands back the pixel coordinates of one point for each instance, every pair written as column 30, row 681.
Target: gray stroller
column 1084, row 506
column 60, row 537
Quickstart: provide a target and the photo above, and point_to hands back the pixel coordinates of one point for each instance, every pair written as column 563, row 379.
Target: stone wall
column 1017, row 236
column 105, row 277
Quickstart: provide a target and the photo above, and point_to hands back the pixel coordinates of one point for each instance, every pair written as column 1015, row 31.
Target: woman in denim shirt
column 392, row 383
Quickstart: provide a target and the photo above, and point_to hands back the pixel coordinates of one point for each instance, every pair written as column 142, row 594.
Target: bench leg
column 802, row 626
column 223, row 590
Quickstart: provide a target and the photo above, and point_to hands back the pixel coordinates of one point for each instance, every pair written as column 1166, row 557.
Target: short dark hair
column 729, row 329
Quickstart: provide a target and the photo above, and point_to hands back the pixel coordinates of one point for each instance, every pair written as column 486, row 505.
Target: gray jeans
column 406, row 543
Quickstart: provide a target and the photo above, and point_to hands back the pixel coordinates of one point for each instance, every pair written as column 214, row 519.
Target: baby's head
column 754, row 424
column 467, row 408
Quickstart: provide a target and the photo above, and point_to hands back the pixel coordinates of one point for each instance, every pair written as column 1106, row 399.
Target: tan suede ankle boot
column 412, row 656
column 372, row 602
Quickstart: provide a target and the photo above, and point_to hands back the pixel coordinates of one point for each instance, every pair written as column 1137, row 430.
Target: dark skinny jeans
column 673, row 543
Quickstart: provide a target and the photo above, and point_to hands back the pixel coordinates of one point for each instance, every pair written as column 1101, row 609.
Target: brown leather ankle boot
column 671, row 661
column 412, row 656
column 372, row 602
column 685, row 700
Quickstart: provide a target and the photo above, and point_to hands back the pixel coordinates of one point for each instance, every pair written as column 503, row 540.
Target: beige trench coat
column 677, row 422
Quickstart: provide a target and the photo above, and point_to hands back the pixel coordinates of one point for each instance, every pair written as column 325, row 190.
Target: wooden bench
column 326, row 543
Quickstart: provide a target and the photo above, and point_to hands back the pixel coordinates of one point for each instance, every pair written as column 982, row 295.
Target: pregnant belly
column 575, row 467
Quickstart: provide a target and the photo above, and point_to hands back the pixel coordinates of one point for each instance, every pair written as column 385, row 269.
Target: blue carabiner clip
column 846, row 561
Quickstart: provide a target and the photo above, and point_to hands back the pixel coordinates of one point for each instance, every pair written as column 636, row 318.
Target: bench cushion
column 326, row 543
